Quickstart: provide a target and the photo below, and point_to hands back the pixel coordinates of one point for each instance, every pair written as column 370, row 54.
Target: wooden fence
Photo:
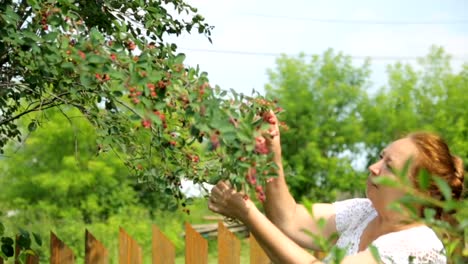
column 163, row 251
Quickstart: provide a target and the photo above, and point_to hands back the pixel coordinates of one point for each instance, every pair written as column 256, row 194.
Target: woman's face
column 392, row 159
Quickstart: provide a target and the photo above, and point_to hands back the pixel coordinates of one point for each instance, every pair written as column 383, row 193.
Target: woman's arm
column 281, row 208
column 279, row 247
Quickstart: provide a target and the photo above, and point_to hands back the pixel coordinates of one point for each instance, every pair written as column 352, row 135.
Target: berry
column 131, row 45
column 146, row 123
column 261, row 146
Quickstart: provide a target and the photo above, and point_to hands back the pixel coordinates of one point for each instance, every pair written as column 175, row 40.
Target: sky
column 250, row 34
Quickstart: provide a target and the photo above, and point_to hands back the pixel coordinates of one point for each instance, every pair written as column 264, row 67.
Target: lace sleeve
column 352, row 212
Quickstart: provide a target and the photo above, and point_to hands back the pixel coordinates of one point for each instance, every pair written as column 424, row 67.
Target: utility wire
column 364, row 21
column 272, row 54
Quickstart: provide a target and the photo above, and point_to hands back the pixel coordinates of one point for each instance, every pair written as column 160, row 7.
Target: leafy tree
column 108, row 62
column 321, row 99
column 426, row 97
column 55, row 182
column 116, row 69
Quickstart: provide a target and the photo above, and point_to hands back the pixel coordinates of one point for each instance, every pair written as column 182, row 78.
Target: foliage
column 106, row 68
column 131, row 86
column 57, row 180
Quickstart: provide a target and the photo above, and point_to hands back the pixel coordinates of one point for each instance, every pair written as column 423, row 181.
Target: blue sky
column 256, row 30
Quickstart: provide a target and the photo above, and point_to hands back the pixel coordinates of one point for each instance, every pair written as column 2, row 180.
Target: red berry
column 146, row 123
column 150, row 86
column 131, row 45
column 82, row 54
column 261, row 146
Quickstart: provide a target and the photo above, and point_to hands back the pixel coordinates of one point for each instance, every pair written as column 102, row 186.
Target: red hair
column 435, row 158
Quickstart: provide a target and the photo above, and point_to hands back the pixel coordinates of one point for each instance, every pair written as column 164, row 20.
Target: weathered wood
column 59, row 252
column 196, row 247
column 211, row 230
column 95, row 252
column 162, row 249
column 228, row 246
column 129, row 250
column 257, row 255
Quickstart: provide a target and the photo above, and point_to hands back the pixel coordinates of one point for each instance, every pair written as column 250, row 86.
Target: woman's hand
column 272, row 135
column 227, row 201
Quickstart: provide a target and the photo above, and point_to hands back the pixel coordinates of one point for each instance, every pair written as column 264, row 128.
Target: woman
column 286, row 228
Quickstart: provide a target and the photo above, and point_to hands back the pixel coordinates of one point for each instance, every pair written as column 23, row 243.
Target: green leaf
column 424, row 178
column 117, row 93
column 429, row 213
column 32, row 126
column 37, row 238
column 51, row 36
column 179, row 58
column 375, row 253
column 2, row 229
column 443, row 187
column 8, row 250
column 7, row 241
column 92, row 58
column 385, row 181
column 24, row 241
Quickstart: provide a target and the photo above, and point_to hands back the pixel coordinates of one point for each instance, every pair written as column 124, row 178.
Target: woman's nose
column 374, row 168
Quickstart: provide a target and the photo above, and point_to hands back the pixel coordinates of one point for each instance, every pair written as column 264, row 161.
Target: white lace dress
column 414, row 245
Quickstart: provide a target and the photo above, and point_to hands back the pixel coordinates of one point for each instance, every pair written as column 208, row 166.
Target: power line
column 273, row 54
column 364, row 22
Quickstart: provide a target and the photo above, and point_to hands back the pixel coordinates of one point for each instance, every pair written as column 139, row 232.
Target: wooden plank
column 95, row 252
column 257, row 255
column 59, row 252
column 196, row 247
column 30, row 259
column 129, row 250
column 228, row 246
column 162, row 248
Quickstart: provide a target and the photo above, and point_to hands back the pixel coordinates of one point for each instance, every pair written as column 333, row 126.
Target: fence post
column 59, row 252
column 129, row 250
column 162, row 249
column 95, row 252
column 196, row 247
column 257, row 255
column 228, row 246
column 30, row 259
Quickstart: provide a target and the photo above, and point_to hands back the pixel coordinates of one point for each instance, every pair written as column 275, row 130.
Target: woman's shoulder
column 417, row 245
column 352, row 212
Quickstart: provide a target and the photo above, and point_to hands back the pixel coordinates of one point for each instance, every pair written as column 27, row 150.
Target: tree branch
column 41, row 106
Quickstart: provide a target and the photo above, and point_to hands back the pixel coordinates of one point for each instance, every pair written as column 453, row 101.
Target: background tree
column 321, row 98
column 429, row 96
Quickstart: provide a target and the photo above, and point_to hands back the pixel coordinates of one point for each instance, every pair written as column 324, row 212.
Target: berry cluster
column 251, row 178
column 134, row 95
column 44, row 18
